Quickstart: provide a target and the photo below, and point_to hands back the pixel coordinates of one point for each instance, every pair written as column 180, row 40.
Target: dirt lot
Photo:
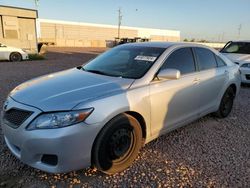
column 207, row 153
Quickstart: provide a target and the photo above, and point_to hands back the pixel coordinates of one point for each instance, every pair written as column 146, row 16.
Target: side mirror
column 171, row 74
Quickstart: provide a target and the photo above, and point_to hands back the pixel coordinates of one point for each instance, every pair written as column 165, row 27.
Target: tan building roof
column 18, row 12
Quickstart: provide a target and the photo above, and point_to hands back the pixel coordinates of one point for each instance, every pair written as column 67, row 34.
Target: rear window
column 220, row 62
column 206, row 58
column 237, row 48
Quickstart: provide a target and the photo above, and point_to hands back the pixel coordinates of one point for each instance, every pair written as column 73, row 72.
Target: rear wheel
column 226, row 104
column 117, row 145
column 15, row 57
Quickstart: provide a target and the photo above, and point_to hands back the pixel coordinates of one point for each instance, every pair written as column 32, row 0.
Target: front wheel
column 15, row 57
column 226, row 103
column 117, row 145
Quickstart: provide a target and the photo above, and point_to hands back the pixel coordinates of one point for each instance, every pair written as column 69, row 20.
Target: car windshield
column 237, row 48
column 125, row 61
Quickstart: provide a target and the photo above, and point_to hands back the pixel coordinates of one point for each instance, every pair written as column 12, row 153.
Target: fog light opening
column 50, row 160
column 17, row 148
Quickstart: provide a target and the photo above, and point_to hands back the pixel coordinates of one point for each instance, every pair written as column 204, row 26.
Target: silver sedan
column 102, row 113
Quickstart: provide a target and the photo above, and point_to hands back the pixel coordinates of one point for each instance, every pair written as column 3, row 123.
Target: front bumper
column 25, row 56
column 71, row 145
column 245, row 75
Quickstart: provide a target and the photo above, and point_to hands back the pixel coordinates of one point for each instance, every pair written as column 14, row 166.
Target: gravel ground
column 207, row 153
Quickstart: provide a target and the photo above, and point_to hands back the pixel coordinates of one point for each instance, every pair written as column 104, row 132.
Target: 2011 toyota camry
column 102, row 113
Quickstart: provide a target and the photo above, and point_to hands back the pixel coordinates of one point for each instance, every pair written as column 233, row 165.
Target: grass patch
column 34, row 57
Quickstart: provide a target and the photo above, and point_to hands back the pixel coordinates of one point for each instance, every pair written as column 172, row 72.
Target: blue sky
column 200, row 19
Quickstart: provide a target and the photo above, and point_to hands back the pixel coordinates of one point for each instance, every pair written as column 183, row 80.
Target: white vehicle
column 239, row 53
column 12, row 54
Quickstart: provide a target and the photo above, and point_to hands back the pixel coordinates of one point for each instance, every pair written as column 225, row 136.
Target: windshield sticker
column 145, row 58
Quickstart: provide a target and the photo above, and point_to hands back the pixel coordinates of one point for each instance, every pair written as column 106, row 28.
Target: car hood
column 64, row 90
column 238, row 58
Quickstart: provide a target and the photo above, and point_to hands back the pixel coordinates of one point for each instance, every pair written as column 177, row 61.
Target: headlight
column 246, row 65
column 59, row 119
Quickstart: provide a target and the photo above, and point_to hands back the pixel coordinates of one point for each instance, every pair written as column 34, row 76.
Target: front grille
column 15, row 117
column 248, row 76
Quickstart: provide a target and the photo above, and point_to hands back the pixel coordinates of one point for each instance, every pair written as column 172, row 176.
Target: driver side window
column 182, row 60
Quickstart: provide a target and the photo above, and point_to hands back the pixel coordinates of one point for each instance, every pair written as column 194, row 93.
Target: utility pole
column 239, row 30
column 219, row 38
column 36, row 3
column 119, row 22
column 223, row 36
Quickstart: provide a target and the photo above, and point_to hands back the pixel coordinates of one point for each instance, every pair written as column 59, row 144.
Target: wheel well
column 17, row 53
column 138, row 117
column 141, row 120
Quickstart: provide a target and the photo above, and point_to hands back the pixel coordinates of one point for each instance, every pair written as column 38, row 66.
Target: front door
column 175, row 101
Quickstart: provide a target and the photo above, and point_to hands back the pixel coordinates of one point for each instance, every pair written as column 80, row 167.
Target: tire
column 226, row 103
column 15, row 57
column 117, row 145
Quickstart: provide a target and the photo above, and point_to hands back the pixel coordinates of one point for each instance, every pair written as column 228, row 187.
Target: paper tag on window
column 145, row 58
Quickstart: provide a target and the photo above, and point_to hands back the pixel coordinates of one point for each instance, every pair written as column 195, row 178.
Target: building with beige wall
column 78, row 34
column 18, row 27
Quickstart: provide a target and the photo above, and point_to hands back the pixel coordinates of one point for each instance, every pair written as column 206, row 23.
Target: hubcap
column 15, row 57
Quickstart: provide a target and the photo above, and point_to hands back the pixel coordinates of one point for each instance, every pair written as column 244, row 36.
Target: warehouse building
column 18, row 27
column 75, row 34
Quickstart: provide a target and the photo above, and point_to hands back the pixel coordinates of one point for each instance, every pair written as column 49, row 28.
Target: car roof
column 248, row 41
column 162, row 44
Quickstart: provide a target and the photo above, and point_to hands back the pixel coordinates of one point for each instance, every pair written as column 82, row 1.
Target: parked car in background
column 239, row 53
column 102, row 113
column 120, row 41
column 12, row 54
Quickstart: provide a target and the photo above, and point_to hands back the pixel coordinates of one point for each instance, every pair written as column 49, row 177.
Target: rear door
column 212, row 77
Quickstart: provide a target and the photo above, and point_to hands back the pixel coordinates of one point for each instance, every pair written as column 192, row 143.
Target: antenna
column 119, row 21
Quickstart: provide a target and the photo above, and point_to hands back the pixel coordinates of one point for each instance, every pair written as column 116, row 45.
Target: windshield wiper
column 97, row 72
column 80, row 68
